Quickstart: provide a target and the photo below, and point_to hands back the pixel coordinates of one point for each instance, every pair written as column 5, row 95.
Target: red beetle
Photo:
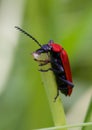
column 60, row 66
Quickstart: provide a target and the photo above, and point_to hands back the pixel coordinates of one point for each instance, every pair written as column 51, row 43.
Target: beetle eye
column 51, row 42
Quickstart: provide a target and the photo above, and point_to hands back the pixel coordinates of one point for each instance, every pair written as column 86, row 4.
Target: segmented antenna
column 28, row 35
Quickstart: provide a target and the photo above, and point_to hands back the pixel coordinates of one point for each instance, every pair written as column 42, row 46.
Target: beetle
column 59, row 64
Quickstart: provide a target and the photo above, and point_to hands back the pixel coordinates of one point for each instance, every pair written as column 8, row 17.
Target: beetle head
column 47, row 47
column 44, row 49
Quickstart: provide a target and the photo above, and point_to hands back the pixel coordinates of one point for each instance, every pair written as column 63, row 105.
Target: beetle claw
column 55, row 98
column 40, row 70
column 41, row 64
column 45, row 70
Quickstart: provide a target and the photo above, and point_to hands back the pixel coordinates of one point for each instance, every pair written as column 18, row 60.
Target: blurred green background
column 23, row 101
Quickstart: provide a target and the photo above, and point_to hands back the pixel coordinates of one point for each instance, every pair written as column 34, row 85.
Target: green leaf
column 56, row 106
column 88, row 117
column 89, row 124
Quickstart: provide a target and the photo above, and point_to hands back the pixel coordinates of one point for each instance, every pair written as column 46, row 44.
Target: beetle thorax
column 46, row 48
column 56, row 47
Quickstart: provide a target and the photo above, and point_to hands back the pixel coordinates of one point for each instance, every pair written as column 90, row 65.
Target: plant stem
column 56, row 107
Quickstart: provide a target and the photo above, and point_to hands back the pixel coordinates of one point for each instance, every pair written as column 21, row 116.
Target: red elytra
column 65, row 62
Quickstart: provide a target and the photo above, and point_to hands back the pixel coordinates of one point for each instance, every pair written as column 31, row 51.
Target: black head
column 47, row 47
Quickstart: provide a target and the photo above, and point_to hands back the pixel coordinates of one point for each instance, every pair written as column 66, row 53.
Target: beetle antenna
column 28, row 35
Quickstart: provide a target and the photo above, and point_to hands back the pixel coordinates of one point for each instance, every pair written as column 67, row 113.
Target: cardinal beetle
column 59, row 64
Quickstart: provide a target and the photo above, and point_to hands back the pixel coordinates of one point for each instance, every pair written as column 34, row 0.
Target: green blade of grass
column 56, row 106
column 88, row 117
column 68, row 126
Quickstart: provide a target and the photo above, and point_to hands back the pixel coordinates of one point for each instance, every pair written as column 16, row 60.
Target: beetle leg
column 40, row 60
column 64, row 90
column 58, row 71
column 45, row 70
column 51, row 69
column 56, row 95
column 62, row 79
column 57, row 89
column 44, row 63
column 60, row 67
column 67, row 82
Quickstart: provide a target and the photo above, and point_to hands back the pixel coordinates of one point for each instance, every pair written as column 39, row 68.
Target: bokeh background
column 23, row 101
